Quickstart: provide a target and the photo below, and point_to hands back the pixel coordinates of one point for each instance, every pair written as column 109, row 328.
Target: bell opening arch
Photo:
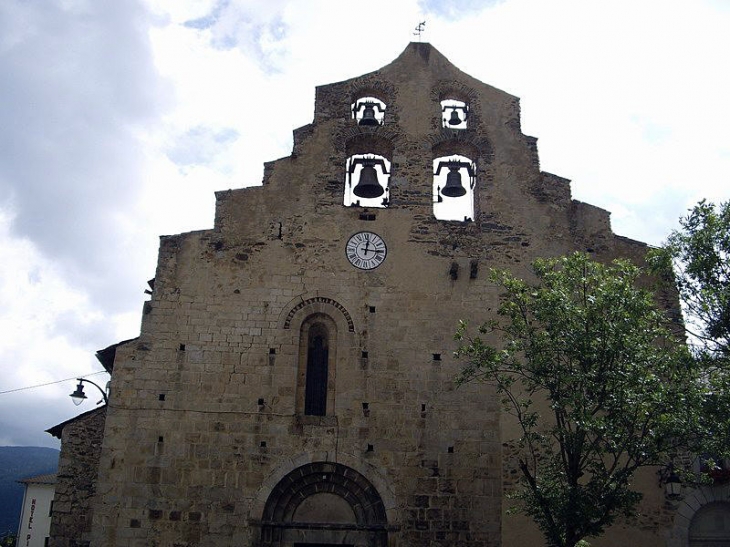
column 453, row 187
column 367, row 171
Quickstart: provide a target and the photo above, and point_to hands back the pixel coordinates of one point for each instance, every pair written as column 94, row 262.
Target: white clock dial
column 366, row 250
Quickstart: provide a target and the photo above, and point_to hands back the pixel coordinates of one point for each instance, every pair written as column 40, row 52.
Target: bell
column 368, row 116
column 368, row 186
column 453, row 187
column 455, row 119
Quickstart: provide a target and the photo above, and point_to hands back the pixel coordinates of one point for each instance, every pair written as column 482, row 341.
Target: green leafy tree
column 696, row 258
column 8, row 540
column 597, row 381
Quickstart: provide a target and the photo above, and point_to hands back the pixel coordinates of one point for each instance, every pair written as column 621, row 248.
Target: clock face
column 366, row 250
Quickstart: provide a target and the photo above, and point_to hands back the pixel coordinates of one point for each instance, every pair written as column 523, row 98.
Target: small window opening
column 272, row 351
column 454, row 178
column 161, row 397
column 370, row 448
column 368, row 111
column 454, row 114
column 262, row 444
column 366, row 181
column 423, row 407
column 454, row 271
column 436, row 356
column 261, row 402
column 473, row 269
column 182, row 347
column 372, row 309
column 364, row 354
column 160, row 439
column 450, row 450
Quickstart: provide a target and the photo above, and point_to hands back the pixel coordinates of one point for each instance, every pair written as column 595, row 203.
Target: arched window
column 315, row 393
column 317, row 349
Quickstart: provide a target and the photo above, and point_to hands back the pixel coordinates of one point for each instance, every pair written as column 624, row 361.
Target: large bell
column 453, row 187
column 368, row 115
column 455, row 119
column 368, row 186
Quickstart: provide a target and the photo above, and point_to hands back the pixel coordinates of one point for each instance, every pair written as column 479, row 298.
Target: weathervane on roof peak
column 419, row 29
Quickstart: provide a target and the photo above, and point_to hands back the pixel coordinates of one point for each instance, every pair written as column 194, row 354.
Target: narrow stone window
column 368, row 111
column 316, row 370
column 315, row 395
column 454, row 178
column 454, row 114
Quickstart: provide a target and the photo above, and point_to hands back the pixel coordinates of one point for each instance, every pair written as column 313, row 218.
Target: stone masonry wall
column 76, row 483
column 206, row 431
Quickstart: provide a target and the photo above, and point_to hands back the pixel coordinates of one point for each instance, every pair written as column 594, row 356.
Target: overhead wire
column 52, row 383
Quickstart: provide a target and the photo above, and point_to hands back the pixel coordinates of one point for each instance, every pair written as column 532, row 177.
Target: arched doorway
column 710, row 526
column 324, row 503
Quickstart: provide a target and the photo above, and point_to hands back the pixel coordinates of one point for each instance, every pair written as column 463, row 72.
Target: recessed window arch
column 368, row 111
column 454, row 114
column 315, row 388
column 710, row 526
column 453, row 187
column 316, row 370
column 324, row 503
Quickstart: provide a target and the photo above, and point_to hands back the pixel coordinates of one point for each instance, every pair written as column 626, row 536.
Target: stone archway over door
column 322, row 504
column 710, row 527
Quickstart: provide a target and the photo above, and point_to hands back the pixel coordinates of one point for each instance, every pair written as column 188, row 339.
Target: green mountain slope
column 20, row 462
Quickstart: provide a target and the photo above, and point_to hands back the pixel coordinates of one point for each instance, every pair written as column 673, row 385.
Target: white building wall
column 35, row 517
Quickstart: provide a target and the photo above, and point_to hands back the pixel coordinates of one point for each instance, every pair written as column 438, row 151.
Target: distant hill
column 20, row 462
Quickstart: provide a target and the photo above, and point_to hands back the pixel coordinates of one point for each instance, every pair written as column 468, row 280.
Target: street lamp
column 673, row 486
column 79, row 396
column 670, row 479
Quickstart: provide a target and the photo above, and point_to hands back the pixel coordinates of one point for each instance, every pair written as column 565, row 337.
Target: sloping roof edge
column 48, row 478
column 57, row 430
column 106, row 355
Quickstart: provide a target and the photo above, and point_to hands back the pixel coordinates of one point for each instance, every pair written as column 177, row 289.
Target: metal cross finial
column 419, row 29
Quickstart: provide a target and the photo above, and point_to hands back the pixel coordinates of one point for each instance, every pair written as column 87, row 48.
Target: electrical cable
column 51, row 383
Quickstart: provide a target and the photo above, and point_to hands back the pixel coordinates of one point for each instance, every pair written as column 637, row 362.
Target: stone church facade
column 293, row 381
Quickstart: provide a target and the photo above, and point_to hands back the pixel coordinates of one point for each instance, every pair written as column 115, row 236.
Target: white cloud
column 49, row 329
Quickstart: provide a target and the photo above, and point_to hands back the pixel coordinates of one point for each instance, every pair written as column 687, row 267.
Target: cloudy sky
column 120, row 118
